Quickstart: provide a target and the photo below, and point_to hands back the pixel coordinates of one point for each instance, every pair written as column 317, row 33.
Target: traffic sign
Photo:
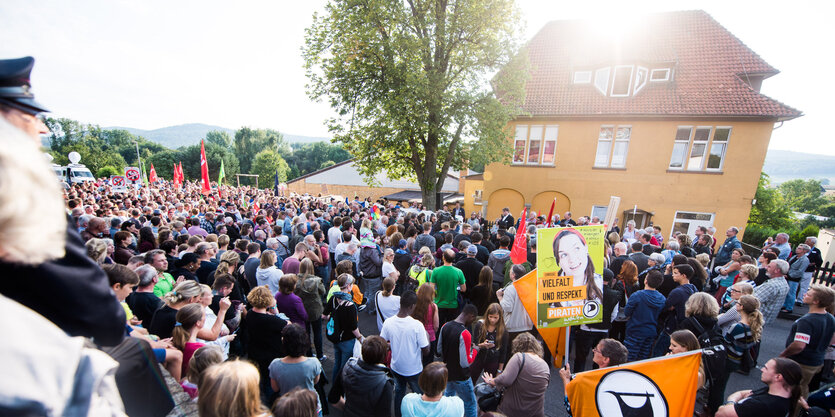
column 132, row 174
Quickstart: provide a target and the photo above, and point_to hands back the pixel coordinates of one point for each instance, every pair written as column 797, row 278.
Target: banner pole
column 567, row 336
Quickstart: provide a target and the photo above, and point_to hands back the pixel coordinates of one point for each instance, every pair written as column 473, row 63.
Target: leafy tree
column 770, row 209
column 219, row 137
column 803, row 196
column 214, row 153
column 308, row 157
column 265, row 165
column 106, row 171
column 164, row 163
column 249, row 142
column 407, row 82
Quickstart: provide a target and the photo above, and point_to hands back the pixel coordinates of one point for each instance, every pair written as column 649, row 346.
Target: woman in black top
column 482, row 295
column 264, row 330
column 344, row 312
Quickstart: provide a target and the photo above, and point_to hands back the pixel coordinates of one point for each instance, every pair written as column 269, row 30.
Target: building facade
column 667, row 116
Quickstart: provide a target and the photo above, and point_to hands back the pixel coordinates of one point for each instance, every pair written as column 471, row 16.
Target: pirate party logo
column 626, row 393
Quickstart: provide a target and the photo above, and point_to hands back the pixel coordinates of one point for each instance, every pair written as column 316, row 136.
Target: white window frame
column 686, row 148
column 615, row 141
column 612, row 142
column 666, row 71
column 601, row 79
column 700, row 222
column 640, row 86
column 582, row 77
column 545, row 140
column 724, row 151
column 628, row 87
column 525, row 141
column 693, row 143
column 604, row 208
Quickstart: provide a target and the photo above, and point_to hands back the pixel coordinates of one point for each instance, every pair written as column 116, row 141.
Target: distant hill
column 190, row 134
column 783, row 166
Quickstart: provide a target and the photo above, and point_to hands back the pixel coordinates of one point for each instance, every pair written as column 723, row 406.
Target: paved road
column 774, row 337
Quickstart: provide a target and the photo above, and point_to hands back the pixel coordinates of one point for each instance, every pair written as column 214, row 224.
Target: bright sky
column 153, row 63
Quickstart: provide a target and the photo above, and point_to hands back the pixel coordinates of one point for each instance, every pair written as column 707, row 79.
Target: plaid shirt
column 207, row 225
column 772, row 295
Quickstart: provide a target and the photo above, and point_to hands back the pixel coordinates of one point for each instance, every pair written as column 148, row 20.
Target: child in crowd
column 184, row 337
column 202, row 359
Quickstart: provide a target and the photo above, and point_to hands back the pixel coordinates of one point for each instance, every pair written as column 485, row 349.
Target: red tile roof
column 709, row 70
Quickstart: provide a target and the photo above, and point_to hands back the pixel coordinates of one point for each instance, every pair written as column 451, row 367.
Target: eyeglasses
column 595, row 349
column 735, row 290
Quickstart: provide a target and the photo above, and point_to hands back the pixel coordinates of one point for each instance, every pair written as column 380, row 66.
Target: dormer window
column 660, row 74
column 621, row 80
column 582, row 77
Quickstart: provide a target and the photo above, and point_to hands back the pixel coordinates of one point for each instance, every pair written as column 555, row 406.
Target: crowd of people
column 233, row 294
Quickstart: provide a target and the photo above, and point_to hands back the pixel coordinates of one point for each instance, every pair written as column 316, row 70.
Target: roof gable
column 711, row 72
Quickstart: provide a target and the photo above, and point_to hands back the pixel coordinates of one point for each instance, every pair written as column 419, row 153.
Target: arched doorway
column 501, row 198
column 542, row 203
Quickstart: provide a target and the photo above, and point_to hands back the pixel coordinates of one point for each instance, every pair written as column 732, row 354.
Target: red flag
column 180, row 176
column 152, row 177
column 204, row 170
column 519, row 253
column 551, row 213
column 175, row 177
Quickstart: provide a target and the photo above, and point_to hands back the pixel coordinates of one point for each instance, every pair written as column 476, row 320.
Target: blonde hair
column 751, row 309
column 229, row 258
column 202, row 359
column 96, row 250
column 751, row 271
column 260, row 297
column 703, row 259
column 230, row 389
column 28, row 190
column 183, row 292
column 267, row 259
column 701, row 304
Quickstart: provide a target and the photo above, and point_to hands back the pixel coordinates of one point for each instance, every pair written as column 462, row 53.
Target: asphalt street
column 774, row 338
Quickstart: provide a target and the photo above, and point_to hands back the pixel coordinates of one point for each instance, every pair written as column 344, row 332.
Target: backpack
column 714, row 354
column 334, row 329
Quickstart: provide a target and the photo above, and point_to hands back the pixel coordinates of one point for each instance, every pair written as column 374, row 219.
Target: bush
column 756, row 234
column 800, row 237
column 106, row 171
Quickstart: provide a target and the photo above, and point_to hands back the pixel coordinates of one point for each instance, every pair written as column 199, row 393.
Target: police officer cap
column 15, row 90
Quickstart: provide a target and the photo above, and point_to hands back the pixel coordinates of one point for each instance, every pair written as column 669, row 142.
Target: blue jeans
column 371, row 286
column 463, row 390
column 790, row 297
column 342, row 351
column 400, row 383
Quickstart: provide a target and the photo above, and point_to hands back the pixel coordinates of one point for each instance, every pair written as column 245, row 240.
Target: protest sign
column 118, row 184
column 569, row 275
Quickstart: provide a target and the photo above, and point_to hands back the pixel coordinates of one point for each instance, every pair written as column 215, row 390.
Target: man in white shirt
column 409, row 343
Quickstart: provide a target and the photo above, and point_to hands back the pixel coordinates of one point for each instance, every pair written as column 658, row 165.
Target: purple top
column 291, row 305
column 291, row 265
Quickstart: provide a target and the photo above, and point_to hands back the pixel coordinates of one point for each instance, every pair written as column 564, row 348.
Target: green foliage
column 249, row 142
column 106, row 171
column 190, row 156
column 800, row 236
column 407, row 80
column 756, row 234
column 220, row 138
column 266, row 164
column 770, row 209
column 308, row 157
column 803, row 196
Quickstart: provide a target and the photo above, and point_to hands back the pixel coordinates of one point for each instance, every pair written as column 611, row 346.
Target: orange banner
column 554, row 337
column 663, row 386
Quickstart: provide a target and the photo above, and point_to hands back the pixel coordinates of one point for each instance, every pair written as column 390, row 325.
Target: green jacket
column 164, row 286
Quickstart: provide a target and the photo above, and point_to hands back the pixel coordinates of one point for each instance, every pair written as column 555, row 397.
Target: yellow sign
column 569, row 275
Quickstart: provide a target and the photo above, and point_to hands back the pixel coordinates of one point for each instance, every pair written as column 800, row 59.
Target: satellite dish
column 74, row 157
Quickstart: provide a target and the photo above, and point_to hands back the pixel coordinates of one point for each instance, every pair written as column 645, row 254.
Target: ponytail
column 751, row 309
column 183, row 292
column 187, row 318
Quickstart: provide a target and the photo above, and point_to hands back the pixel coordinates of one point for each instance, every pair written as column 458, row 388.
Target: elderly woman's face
column 573, row 256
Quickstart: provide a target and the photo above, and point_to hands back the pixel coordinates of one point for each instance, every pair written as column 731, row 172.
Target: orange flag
column 554, row 337
column 519, row 253
column 664, row 386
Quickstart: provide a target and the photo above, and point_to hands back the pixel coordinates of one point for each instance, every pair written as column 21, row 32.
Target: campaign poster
column 569, row 275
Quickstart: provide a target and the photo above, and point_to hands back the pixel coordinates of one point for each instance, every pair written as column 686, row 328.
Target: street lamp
column 138, row 159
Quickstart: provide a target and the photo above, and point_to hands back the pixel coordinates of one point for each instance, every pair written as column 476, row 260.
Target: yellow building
column 668, row 117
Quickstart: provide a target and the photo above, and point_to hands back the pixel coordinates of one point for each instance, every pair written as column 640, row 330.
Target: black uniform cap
column 15, row 90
